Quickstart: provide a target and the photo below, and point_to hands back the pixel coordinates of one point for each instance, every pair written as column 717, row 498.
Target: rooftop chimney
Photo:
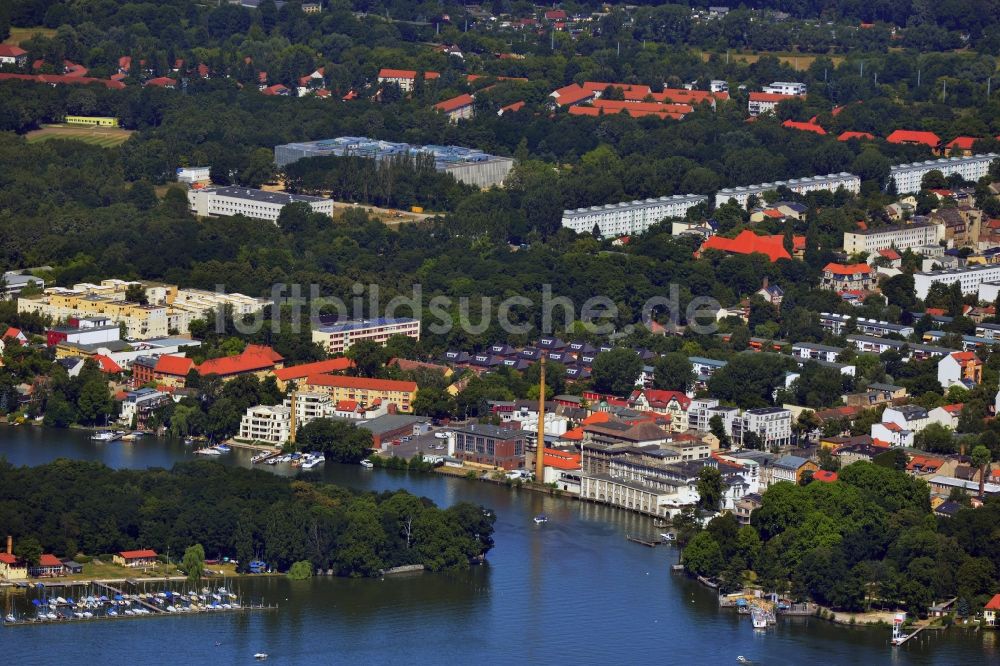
column 10, row 545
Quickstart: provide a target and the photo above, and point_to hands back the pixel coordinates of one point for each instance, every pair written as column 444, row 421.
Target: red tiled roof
column 555, row 15
column 953, row 409
column 964, row 356
column 178, row 366
column 317, row 368
column 824, row 476
column 963, row 142
column 455, row 103
column 894, row 427
column 516, row 106
column 648, row 107
column 847, row 269
column 386, row 73
column 635, row 113
column 664, row 397
column 107, row 364
column 12, row 332
column 253, row 359
column 907, row 136
column 772, row 213
column 11, row 51
column 347, row 405
column 574, row 434
column 137, row 554
column 597, row 417
column 994, row 603
column 571, row 94
column 890, row 254
column 8, row 559
column 363, row 383
column 49, row 560
column 162, row 82
column 805, row 127
column 747, row 242
column 61, row 78
column 560, row 459
column 847, row 136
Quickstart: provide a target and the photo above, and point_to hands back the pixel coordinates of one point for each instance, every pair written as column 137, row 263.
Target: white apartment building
column 786, row 88
column 193, row 174
column 908, row 176
column 629, row 217
column 809, row 351
column 900, row 237
column 765, row 102
column 701, row 411
column 773, row 424
column 309, row 406
column 971, row 279
column 251, row 203
column 830, row 182
column 337, row 338
column 266, row 423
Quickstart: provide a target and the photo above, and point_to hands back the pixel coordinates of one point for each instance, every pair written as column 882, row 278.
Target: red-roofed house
column 277, row 90
column 341, row 387
column 673, row 403
column 762, row 102
column 404, row 78
column 12, row 568
column 562, row 468
column 135, row 558
column 297, row 373
column 747, row 242
column 161, row 82
column 511, row 108
column 804, row 127
column 824, row 476
column 847, row 136
column 929, row 139
column 107, row 364
column 848, row 277
column 48, row 566
column 963, row 368
column 457, row 108
column 555, row 15
column 991, row 612
column 571, row 95
column 255, row 360
column 961, row 145
column 172, row 370
column 14, row 335
column 13, row 55
column 946, row 415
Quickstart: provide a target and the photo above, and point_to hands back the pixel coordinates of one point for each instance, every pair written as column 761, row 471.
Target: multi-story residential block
column 786, row 88
column 338, row 338
column 139, row 405
column 899, row 237
column 266, row 423
column 908, row 176
column 772, row 424
column 816, row 352
column 84, row 331
column 848, row 277
column 672, row 403
column 869, row 344
column 629, row 217
column 364, row 390
column 971, row 279
column 257, row 204
column 838, row 323
column 457, row 108
column 830, row 182
column 701, row 411
column 766, row 102
column 490, row 445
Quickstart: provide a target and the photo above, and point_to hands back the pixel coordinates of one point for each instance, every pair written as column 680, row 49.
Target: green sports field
column 106, row 137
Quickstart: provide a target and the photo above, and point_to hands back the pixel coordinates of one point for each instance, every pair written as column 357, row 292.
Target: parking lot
column 425, row 444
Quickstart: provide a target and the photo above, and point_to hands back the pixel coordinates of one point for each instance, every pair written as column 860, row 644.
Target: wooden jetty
column 644, row 542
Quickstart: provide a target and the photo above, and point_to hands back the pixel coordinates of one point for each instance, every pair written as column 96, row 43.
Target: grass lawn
column 105, row 137
column 799, row 61
column 18, row 35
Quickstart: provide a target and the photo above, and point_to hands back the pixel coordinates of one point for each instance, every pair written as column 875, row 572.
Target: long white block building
column 251, row 203
column 629, row 217
column 971, row 278
column 908, row 176
column 900, row 236
column 830, row 182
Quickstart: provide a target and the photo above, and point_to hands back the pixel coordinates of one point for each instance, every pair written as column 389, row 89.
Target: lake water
column 570, row 591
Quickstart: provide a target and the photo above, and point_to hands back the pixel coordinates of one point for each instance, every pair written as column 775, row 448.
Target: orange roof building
column 847, row 136
column 304, row 370
column 929, row 139
column 747, row 242
column 804, row 127
column 397, row 393
column 255, row 359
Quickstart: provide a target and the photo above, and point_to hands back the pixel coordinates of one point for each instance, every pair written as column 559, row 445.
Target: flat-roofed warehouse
column 467, row 165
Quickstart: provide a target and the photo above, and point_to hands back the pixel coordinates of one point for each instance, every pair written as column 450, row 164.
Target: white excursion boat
column 103, row 436
column 209, row 451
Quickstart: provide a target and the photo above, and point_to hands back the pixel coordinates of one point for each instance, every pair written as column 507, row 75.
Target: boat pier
column 639, row 540
column 115, row 591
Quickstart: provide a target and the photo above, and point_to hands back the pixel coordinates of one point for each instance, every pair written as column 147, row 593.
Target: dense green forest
column 867, row 541
column 71, row 507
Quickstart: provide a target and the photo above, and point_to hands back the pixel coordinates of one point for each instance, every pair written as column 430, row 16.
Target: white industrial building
column 971, row 279
column 337, row 338
column 830, row 182
column 629, row 217
column 908, row 176
column 251, row 203
column 900, row 237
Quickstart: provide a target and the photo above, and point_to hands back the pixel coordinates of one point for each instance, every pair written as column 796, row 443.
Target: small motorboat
column 743, row 660
column 367, row 464
column 541, row 518
column 667, row 537
column 260, row 656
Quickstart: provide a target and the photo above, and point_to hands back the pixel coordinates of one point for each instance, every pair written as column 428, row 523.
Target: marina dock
column 644, row 542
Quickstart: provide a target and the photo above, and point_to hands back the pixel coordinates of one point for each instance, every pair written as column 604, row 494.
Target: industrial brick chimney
column 10, row 545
